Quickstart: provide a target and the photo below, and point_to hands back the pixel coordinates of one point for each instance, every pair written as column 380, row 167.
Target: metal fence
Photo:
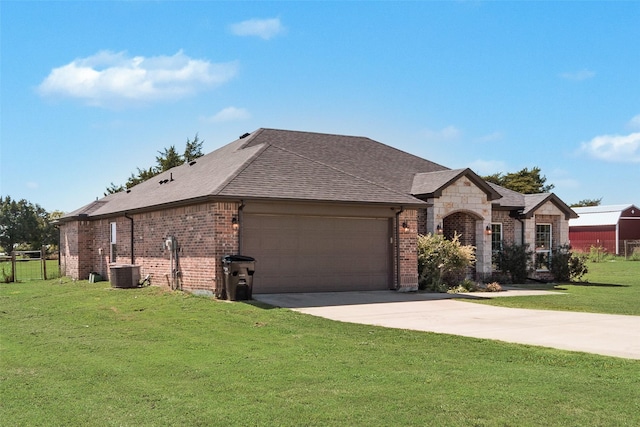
column 631, row 249
column 28, row 265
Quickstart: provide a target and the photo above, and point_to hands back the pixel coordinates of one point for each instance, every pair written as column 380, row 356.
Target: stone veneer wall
column 548, row 214
column 465, row 197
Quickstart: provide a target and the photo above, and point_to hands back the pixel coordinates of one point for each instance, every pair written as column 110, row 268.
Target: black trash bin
column 237, row 271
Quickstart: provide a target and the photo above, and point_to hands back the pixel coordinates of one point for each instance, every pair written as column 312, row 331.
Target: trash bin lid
column 238, row 258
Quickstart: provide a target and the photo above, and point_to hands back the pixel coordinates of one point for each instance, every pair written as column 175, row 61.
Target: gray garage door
column 317, row 254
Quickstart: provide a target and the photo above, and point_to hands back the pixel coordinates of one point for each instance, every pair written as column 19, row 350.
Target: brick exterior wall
column 76, row 249
column 511, row 228
column 548, row 213
column 462, row 224
column 422, row 221
column 203, row 233
column 408, row 252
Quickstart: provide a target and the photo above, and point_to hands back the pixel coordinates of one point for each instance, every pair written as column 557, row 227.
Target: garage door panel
column 306, row 253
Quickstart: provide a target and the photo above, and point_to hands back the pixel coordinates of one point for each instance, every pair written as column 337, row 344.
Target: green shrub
column 599, row 254
column 516, row 261
column 442, row 263
column 566, row 265
column 469, row 285
column 577, row 266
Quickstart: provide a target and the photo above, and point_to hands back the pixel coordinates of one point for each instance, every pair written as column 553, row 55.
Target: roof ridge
column 239, row 170
column 358, row 137
column 340, row 170
column 312, row 132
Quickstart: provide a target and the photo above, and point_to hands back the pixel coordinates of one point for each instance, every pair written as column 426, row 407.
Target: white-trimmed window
column 112, row 242
column 496, row 237
column 496, row 243
column 543, row 246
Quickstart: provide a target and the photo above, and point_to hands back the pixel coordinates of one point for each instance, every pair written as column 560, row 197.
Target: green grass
column 29, row 270
column 85, row 354
column 613, row 287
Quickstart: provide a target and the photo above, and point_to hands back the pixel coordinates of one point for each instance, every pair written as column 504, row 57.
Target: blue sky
column 92, row 90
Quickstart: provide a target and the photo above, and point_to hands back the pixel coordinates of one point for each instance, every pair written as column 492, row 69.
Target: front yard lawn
column 612, row 287
column 80, row 353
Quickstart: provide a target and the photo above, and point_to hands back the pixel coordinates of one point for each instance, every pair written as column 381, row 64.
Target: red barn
column 616, row 228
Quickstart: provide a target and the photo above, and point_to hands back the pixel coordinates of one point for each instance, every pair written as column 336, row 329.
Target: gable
column 433, row 184
column 541, row 203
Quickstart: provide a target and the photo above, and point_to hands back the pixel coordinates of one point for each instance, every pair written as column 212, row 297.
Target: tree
column 586, row 202
column 24, row 224
column 192, row 150
column 167, row 159
column 524, row 181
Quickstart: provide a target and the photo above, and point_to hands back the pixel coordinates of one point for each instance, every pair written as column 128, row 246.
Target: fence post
column 43, row 256
column 13, row 266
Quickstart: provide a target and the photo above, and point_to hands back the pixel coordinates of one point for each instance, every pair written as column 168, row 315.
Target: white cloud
column 109, row 77
column 487, row 167
column 263, row 28
column 230, row 114
column 614, row 148
column 495, row 136
column 634, row 123
column 562, row 179
column 32, row 185
column 447, row 133
column 578, row 75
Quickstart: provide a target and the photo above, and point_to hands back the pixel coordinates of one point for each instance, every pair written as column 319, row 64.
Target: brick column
column 408, row 252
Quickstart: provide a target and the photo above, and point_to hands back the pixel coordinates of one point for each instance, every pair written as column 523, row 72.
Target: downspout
column 132, row 238
column 397, row 238
column 240, row 226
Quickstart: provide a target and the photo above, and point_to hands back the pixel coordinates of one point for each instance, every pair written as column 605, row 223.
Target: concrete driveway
column 606, row 334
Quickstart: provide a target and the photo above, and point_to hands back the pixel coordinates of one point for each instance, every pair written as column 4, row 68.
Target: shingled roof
column 304, row 166
column 283, row 165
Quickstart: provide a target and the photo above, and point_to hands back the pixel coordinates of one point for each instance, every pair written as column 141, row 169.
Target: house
column 319, row 212
column 612, row 228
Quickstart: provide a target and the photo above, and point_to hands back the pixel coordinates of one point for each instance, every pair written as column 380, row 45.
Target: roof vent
column 191, row 163
column 243, row 136
column 128, row 191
